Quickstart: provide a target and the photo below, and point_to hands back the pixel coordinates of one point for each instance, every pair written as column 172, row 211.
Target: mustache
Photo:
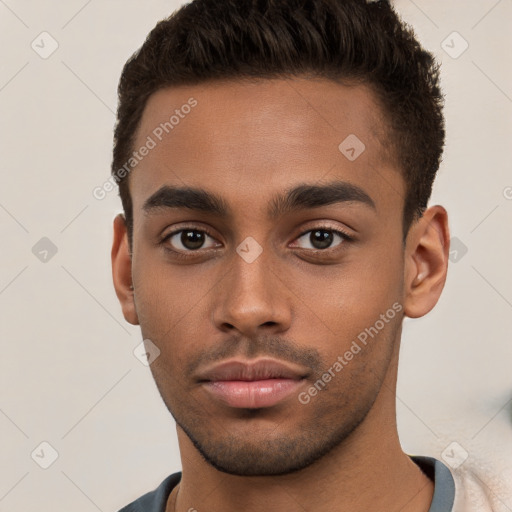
column 263, row 346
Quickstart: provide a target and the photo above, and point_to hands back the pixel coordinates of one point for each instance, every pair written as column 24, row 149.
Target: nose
column 251, row 297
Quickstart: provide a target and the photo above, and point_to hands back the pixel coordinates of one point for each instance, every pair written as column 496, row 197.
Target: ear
column 122, row 270
column 426, row 261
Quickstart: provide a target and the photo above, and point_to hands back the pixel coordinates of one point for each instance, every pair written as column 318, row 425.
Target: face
column 256, row 237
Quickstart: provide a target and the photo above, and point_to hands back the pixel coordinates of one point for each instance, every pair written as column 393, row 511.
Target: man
column 275, row 160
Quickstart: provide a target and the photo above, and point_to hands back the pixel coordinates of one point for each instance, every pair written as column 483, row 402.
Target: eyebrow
column 300, row 197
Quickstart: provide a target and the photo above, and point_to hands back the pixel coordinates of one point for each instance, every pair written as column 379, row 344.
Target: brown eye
column 322, row 238
column 187, row 240
column 192, row 239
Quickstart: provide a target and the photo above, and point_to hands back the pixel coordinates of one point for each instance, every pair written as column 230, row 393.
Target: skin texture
column 247, row 142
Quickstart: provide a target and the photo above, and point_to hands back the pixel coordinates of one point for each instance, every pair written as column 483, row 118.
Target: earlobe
column 426, row 262
column 122, row 270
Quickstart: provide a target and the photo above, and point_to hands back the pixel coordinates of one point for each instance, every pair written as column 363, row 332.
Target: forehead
column 237, row 138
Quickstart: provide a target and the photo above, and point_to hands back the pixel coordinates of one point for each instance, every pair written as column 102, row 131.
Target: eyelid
column 185, row 228
column 191, row 228
column 327, row 227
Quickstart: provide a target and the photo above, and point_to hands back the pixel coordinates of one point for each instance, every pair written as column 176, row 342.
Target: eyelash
column 189, row 254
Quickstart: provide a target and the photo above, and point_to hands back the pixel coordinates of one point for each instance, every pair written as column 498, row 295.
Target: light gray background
column 68, row 375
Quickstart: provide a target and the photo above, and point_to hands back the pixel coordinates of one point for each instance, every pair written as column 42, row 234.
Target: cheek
column 170, row 297
column 346, row 298
column 172, row 308
column 358, row 356
column 351, row 312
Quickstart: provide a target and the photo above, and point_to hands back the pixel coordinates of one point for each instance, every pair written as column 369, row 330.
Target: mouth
column 264, row 383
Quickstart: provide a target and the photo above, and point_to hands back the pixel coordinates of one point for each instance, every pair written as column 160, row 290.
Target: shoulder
column 473, row 486
column 479, row 492
column 469, row 487
column 156, row 500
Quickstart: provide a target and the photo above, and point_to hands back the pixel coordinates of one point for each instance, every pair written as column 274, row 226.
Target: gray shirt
column 442, row 501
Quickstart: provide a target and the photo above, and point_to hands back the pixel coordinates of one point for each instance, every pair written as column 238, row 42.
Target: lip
column 250, row 385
